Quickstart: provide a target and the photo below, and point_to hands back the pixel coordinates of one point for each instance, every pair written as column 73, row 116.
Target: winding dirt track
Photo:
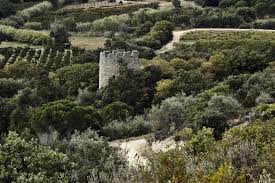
column 138, row 149
column 179, row 33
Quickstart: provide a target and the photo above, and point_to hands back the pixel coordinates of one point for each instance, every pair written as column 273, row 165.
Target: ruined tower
column 109, row 64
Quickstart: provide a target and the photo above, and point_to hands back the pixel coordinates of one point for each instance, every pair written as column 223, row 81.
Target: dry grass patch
column 89, row 43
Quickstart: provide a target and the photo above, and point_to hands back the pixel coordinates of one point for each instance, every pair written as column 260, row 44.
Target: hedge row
column 23, row 16
column 23, row 35
column 89, row 15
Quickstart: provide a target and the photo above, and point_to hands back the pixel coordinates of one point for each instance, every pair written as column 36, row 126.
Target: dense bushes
column 89, row 15
column 162, row 31
column 64, row 116
column 85, row 157
column 116, row 111
column 78, row 76
column 159, row 34
column 59, row 36
column 27, row 161
column 210, row 109
column 130, row 128
column 23, row 35
column 22, row 16
column 6, row 8
column 111, row 23
column 138, row 93
column 262, row 7
column 213, row 79
column 33, row 25
column 264, row 24
column 255, row 89
column 217, row 18
column 243, row 155
column 148, row 14
column 95, row 158
column 10, row 87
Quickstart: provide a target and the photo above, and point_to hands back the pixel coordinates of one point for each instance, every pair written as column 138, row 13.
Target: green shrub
column 25, row 160
column 10, row 87
column 33, row 25
column 266, row 111
column 129, row 128
column 88, row 15
column 24, row 35
column 94, row 156
column 64, row 116
column 116, row 111
column 23, row 16
column 111, row 23
column 6, row 8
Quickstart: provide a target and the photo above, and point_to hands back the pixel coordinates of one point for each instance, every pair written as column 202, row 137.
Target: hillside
column 138, row 91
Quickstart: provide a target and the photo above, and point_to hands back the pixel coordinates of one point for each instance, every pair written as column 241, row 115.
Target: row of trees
column 48, row 58
column 262, row 7
column 24, row 15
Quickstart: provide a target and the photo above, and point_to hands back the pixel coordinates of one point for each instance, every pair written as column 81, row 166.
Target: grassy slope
column 228, row 36
column 88, row 43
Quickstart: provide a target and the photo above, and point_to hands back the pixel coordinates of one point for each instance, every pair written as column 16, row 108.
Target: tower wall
column 109, row 64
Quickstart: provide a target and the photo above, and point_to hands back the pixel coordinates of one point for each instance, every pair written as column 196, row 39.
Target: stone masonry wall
column 109, row 64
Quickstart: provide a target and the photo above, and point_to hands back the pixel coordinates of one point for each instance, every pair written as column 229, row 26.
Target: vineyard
column 48, row 58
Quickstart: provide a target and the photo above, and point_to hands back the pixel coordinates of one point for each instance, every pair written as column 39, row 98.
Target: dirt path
column 138, row 149
column 134, row 149
column 179, row 33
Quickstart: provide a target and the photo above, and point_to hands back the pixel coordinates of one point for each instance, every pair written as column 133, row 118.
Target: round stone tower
column 109, row 64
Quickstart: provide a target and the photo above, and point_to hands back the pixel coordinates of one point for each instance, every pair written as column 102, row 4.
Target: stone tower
column 109, row 64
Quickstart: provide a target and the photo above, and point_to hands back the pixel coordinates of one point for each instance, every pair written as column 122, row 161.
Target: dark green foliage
column 78, row 76
column 217, row 18
column 94, row 156
column 10, row 87
column 20, row 116
column 6, row 8
column 27, row 161
column 135, row 88
column 247, row 13
column 214, row 119
column 162, row 31
column 64, row 116
column 254, row 86
column 210, row 108
column 176, row 4
column 145, row 52
column 207, row 2
column 6, row 108
column 59, row 36
column 226, row 3
column 54, row 3
column 159, row 34
column 197, row 92
column 21, row 69
column 266, row 111
column 191, row 82
column 86, row 56
column 88, row 15
column 243, row 155
column 116, row 111
column 129, row 128
column 144, row 28
column 262, row 7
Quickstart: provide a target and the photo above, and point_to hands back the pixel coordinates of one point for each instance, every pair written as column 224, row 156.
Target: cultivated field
column 89, row 43
column 6, row 44
column 230, row 35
